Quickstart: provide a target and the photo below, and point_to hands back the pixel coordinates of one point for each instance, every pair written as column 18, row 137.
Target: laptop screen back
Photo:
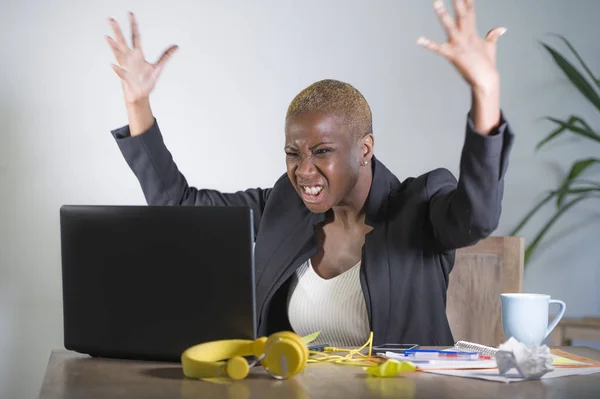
column 147, row 282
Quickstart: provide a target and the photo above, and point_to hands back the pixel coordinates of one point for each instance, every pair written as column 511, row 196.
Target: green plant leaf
column 532, row 212
column 572, row 121
column 578, row 190
column 585, row 131
column 593, row 183
column 581, row 190
column 576, row 54
column 590, row 187
column 575, row 77
column 576, row 169
column 310, row 337
column 531, row 247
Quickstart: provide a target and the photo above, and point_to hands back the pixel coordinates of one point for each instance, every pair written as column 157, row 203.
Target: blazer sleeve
column 163, row 184
column 465, row 211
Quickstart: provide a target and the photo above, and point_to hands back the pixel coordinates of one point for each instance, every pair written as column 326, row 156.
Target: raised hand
column 474, row 57
column 138, row 76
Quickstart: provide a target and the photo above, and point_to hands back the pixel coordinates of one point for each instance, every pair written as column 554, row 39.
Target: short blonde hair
column 335, row 97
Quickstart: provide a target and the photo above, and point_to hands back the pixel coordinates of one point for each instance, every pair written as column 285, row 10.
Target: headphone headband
column 283, row 355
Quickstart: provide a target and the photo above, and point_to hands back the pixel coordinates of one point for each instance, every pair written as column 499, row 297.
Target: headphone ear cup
column 237, row 368
column 286, row 354
column 300, row 342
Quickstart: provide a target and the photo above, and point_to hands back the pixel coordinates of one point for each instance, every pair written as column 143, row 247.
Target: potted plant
column 577, row 186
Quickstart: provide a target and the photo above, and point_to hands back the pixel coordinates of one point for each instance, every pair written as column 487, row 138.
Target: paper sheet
column 472, row 364
column 458, row 365
column 513, row 375
column 445, row 364
column 563, row 361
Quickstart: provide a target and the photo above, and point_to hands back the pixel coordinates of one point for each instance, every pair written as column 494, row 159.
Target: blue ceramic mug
column 525, row 317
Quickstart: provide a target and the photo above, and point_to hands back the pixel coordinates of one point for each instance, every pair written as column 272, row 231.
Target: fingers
column 165, row 57
column 494, row 34
column 115, row 49
column 119, row 71
column 469, row 22
column 441, row 49
column 460, row 8
column 445, row 18
column 118, row 35
column 135, row 34
column 464, row 19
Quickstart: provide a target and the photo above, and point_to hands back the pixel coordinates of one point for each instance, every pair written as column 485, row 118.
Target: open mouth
column 311, row 194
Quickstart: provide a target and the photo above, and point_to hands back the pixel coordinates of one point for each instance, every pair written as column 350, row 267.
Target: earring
column 365, row 162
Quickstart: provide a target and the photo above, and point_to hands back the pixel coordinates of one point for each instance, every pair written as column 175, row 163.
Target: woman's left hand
column 473, row 56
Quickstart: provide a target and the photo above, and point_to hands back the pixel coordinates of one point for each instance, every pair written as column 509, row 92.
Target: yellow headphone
column 283, row 355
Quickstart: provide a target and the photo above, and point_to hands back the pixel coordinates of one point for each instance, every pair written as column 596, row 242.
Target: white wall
column 221, row 103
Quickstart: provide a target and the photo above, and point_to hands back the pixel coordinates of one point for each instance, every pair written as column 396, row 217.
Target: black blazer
column 407, row 257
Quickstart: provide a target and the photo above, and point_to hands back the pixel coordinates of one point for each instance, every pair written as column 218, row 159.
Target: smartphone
column 319, row 348
column 396, row 348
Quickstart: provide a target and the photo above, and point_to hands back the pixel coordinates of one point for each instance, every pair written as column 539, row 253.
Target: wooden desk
column 71, row 375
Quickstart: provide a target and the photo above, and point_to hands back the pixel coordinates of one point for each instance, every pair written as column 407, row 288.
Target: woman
column 342, row 246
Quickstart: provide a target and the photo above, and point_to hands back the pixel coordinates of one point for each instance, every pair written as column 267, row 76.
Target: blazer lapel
column 376, row 268
column 296, row 245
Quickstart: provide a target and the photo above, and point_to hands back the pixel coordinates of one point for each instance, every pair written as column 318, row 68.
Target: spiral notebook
column 465, row 346
column 560, row 359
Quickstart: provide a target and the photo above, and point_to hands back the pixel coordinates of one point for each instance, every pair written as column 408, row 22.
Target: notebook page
column 465, row 346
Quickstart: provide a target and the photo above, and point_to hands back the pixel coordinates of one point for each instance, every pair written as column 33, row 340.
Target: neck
column 351, row 210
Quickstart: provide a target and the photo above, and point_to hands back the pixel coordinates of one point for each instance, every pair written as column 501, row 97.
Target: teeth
column 312, row 190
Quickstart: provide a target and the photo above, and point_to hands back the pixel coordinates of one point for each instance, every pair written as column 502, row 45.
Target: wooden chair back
column 481, row 273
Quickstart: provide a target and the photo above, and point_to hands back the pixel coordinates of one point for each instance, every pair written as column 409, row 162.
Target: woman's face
column 323, row 159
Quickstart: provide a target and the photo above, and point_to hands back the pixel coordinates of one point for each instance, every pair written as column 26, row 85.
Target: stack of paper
column 488, row 369
column 441, row 364
column 513, row 375
column 563, row 361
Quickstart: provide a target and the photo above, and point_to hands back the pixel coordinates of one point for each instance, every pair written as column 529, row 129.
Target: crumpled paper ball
column 531, row 363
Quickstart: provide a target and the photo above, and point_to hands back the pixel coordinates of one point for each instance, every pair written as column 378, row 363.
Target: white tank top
column 335, row 307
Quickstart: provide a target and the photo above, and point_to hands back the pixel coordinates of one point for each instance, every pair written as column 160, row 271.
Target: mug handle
column 557, row 318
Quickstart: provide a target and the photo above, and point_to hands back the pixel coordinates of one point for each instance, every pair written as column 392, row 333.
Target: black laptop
column 147, row 282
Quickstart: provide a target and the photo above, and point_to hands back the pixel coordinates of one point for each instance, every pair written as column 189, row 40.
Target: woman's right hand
column 138, row 77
